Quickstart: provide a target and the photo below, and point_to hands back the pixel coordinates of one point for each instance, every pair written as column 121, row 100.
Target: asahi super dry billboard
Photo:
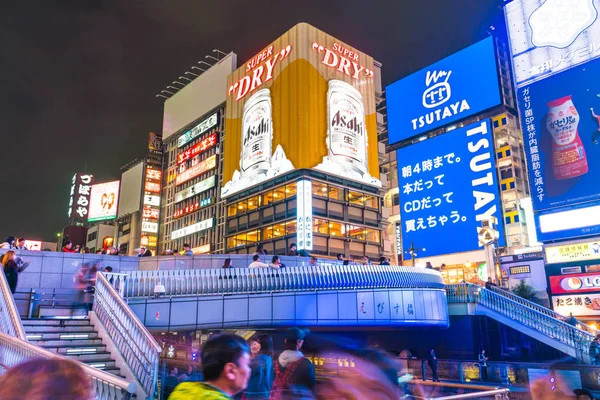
column 306, row 101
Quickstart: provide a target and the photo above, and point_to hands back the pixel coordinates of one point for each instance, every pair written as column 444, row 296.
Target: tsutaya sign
column 306, row 101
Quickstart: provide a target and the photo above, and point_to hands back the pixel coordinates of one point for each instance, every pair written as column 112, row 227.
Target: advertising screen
column 454, row 88
column 550, row 36
column 195, row 170
column 581, row 305
column 575, row 283
column 103, row 201
column 307, row 100
column 585, row 251
column 560, row 116
column 448, row 184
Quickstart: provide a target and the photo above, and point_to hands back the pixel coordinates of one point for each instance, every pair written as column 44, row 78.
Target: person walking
column 595, row 351
column 483, row 371
column 11, row 270
column 294, row 372
column 572, row 320
column 489, row 284
column 187, row 250
column 433, row 364
column 261, row 378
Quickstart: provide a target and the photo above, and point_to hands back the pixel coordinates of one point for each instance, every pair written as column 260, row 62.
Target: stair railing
column 525, row 312
column 105, row 386
column 10, row 320
column 139, row 349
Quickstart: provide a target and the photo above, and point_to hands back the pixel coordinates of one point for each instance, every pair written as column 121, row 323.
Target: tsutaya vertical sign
column 79, row 200
column 304, row 235
column 152, row 189
column 306, row 101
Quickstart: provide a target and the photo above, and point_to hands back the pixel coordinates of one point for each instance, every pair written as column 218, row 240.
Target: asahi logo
column 348, row 121
column 256, row 131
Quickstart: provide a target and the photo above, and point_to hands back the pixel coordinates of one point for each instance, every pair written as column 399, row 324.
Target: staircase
column 525, row 316
column 74, row 338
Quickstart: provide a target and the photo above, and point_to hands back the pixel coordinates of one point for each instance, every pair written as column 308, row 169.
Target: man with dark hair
column 292, row 251
column 256, row 262
column 226, row 369
column 295, row 373
column 69, row 247
column 187, row 250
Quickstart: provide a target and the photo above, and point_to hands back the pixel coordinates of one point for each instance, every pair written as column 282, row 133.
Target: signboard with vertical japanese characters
column 79, row 200
column 304, row 215
column 448, row 185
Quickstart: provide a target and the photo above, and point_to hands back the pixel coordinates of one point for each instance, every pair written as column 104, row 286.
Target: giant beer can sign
column 257, row 134
column 346, row 135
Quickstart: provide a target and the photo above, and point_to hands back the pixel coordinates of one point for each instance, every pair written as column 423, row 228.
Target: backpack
column 281, row 384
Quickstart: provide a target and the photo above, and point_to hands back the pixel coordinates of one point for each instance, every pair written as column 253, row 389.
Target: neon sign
column 204, row 145
column 191, row 208
column 152, row 187
column 348, row 66
column 260, row 74
column 196, row 170
column 150, row 213
column 153, row 174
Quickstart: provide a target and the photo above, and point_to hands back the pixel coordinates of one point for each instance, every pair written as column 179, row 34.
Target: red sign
column 260, row 74
column 575, row 283
column 150, row 213
column 203, row 166
column 342, row 59
column 154, row 174
column 152, row 187
column 186, row 210
column 205, row 144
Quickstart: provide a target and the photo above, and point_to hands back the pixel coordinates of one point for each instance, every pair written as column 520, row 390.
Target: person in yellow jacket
column 226, row 369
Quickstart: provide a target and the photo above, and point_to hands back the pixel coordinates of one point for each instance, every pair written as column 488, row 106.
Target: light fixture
column 324, row 189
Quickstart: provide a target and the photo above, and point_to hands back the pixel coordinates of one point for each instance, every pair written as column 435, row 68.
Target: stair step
column 56, row 322
column 60, row 335
column 57, row 328
column 67, row 343
column 115, row 371
column 91, row 357
column 100, row 363
column 77, row 349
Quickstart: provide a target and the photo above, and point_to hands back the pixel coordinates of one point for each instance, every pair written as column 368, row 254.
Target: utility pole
column 412, row 250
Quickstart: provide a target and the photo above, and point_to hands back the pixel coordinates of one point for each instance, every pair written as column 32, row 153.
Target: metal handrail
column 545, row 322
column 139, row 349
column 105, row 386
column 193, row 282
column 497, row 393
column 10, row 321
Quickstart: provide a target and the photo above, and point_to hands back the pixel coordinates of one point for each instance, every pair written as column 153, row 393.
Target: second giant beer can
column 257, row 134
column 347, row 132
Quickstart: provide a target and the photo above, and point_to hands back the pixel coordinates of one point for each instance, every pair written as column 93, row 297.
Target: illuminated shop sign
column 79, row 200
column 104, row 199
column 151, row 227
column 304, row 239
column 573, row 252
column 575, row 283
column 343, row 59
column 550, row 36
column 150, row 213
column 195, row 189
column 151, row 200
column 579, row 305
column 198, row 130
column 149, row 240
column 204, row 249
column 196, row 170
column 261, row 74
column 204, row 145
column 195, row 228
column 192, row 207
column 153, row 174
column 152, row 187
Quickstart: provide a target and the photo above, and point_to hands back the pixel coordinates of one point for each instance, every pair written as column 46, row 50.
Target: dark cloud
column 79, row 78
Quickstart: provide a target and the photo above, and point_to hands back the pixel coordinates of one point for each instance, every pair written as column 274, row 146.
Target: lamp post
column 58, row 236
column 412, row 250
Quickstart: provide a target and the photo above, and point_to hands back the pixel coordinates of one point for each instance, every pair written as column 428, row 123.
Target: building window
column 319, row 189
column 290, row 190
column 232, row 210
column 355, row 198
column 320, row 226
column 278, row 194
column 253, row 203
column 355, row 232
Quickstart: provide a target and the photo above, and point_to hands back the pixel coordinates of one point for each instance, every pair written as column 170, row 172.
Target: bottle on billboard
column 568, row 154
column 347, row 133
column 257, row 134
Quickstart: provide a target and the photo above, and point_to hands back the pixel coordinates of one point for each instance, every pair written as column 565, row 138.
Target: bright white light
column 572, row 219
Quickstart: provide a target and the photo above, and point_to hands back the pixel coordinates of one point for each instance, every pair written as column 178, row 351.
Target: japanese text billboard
column 454, row 88
column 550, row 36
column 560, row 116
column 103, row 201
column 580, row 305
column 79, row 199
column 448, row 185
column 307, row 100
column 575, row 283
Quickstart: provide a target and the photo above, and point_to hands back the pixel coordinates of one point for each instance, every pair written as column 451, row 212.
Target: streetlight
column 412, row 250
column 58, row 235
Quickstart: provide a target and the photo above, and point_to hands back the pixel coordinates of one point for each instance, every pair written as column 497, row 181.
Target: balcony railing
column 10, row 321
column 105, row 386
column 260, row 280
column 139, row 349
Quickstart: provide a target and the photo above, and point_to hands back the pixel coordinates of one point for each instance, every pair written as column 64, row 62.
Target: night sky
column 79, row 78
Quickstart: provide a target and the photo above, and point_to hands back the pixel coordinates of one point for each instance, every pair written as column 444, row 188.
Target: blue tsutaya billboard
column 448, row 185
column 452, row 89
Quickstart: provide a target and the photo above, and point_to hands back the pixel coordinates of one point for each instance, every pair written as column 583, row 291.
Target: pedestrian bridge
column 323, row 295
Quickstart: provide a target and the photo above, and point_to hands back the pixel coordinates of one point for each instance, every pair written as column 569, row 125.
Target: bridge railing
column 137, row 346
column 105, row 386
column 525, row 312
column 10, row 321
column 258, row 280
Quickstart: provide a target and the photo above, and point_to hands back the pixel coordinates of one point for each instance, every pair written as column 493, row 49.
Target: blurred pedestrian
column 147, row 253
column 11, row 270
column 68, row 248
column 383, row 261
column 294, row 372
column 9, row 243
column 260, row 250
column 340, row 257
column 313, row 261
column 433, row 364
column 428, row 265
column 44, row 379
column 489, row 284
column 256, row 263
column 572, row 320
column 261, row 377
column 227, row 263
column 276, row 262
column 187, row 250
column 366, row 261
column 86, row 250
column 292, row 251
column 171, row 381
column 20, row 244
column 483, row 371
column 595, row 351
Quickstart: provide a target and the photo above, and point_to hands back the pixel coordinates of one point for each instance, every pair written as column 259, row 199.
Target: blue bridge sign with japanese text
column 448, row 184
